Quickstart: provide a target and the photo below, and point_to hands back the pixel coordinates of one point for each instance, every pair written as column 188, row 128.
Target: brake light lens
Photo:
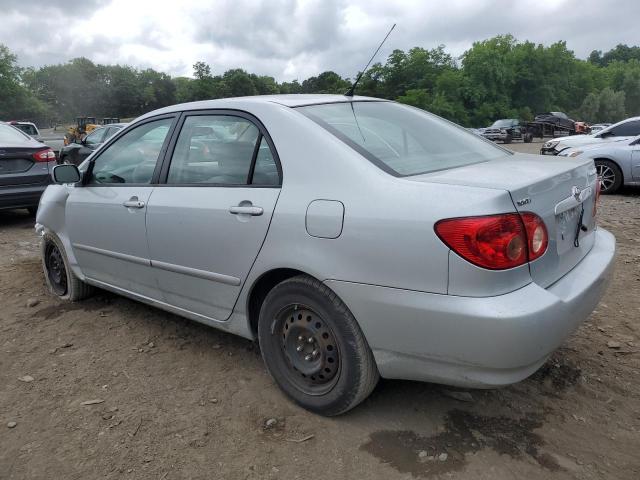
column 46, row 155
column 495, row 242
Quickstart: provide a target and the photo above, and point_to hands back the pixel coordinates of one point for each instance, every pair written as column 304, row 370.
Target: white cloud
column 294, row 39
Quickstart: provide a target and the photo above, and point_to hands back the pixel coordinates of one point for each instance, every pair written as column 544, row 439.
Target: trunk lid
column 555, row 188
column 17, row 167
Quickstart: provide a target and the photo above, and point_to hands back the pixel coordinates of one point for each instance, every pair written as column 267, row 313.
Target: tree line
column 496, row 78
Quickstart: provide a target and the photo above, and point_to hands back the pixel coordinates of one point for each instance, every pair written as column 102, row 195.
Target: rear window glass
column 10, row 134
column 402, row 140
column 28, row 129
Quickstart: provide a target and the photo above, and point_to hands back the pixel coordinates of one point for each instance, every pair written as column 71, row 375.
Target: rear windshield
column 10, row 134
column 26, row 128
column 402, row 140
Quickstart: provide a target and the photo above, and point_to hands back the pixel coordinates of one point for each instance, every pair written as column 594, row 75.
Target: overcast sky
column 291, row 39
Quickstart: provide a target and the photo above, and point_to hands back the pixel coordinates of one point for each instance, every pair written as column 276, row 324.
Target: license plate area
column 566, row 226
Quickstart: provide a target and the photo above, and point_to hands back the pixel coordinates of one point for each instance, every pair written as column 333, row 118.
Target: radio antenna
column 355, row 84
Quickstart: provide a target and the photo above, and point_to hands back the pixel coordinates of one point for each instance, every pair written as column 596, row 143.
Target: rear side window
column 220, row 150
column 628, row 129
column 402, row 140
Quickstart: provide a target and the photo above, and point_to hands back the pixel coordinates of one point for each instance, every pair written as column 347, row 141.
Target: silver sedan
column 352, row 237
column 617, row 163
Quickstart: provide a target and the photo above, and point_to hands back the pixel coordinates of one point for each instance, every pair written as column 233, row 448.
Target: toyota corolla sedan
column 352, row 237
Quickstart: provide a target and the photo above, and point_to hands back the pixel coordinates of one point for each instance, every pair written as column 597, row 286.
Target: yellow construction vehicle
column 84, row 126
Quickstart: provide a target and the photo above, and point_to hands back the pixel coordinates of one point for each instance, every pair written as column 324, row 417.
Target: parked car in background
column 76, row 152
column 28, row 128
column 597, row 127
column 353, row 237
column 625, row 129
column 559, row 119
column 25, row 169
column 617, row 163
column 506, row 130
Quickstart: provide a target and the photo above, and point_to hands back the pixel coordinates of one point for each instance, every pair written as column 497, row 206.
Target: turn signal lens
column 495, row 242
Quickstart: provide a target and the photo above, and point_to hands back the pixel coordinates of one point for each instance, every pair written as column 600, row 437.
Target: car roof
column 291, row 100
column 22, row 123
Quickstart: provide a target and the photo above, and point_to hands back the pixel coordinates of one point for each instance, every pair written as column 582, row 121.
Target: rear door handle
column 246, row 210
column 133, row 202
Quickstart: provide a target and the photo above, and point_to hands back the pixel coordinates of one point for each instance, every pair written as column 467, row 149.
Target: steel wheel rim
column 607, row 177
column 308, row 348
column 56, row 271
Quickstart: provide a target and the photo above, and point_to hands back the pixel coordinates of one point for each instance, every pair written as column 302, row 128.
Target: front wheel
column 60, row 279
column 508, row 139
column 313, row 347
column 610, row 176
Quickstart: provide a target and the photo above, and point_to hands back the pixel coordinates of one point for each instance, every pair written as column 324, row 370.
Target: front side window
column 402, row 140
column 214, row 149
column 132, row 158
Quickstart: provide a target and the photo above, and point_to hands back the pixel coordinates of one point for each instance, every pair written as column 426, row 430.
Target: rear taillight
column 46, row 155
column 496, row 242
column 536, row 235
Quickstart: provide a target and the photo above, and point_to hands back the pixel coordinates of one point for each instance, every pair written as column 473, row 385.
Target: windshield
column 504, row 123
column 10, row 134
column 402, row 140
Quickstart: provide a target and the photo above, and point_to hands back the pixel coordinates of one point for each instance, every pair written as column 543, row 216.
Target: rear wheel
column 610, row 176
column 60, row 279
column 313, row 347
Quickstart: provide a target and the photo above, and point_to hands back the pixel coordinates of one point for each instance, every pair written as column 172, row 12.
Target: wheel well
column 261, row 289
column 614, row 162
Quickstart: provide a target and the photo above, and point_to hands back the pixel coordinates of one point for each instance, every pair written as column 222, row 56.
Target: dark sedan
column 76, row 152
column 25, row 166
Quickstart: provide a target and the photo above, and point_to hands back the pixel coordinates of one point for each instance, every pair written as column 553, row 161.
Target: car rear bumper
column 21, row 196
column 477, row 342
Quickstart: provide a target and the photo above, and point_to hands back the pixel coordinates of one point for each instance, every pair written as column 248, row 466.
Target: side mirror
column 66, row 173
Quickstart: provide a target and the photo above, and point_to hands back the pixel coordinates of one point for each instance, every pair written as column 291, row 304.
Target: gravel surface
column 110, row 388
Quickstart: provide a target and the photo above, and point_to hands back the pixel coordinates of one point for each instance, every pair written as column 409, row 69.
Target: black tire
column 610, row 176
column 302, row 312
column 60, row 279
column 32, row 211
column 528, row 137
column 508, row 139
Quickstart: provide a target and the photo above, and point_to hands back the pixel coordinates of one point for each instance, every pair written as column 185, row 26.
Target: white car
column 617, row 163
column 618, row 131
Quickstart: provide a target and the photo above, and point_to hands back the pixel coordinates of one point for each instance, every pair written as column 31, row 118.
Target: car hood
column 620, row 141
column 580, row 140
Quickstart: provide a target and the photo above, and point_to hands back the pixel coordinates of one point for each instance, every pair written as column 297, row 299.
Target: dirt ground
column 170, row 399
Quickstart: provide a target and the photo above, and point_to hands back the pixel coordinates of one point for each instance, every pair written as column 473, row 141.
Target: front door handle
column 133, row 202
column 246, row 210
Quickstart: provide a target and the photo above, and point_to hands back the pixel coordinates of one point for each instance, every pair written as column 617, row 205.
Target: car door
column 105, row 216
column 207, row 222
column 635, row 161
